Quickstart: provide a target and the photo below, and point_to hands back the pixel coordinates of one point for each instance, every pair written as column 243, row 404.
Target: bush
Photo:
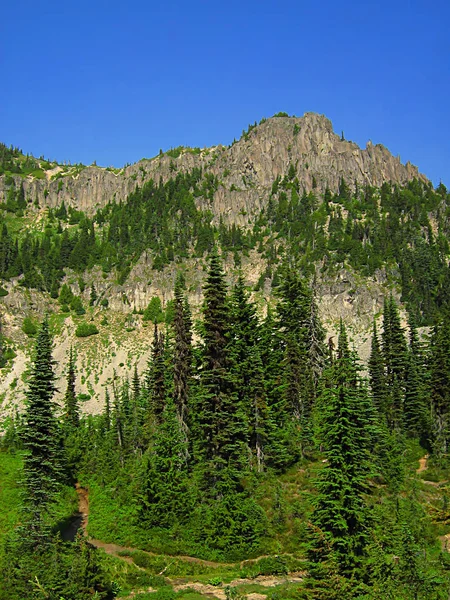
column 154, row 311
column 29, row 327
column 77, row 306
column 272, row 565
column 65, row 295
column 3, row 292
column 86, row 329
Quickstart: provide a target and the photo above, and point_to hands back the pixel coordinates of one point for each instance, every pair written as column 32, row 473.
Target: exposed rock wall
column 246, row 170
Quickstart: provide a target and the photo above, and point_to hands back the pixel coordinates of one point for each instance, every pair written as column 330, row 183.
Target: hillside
column 246, row 170
column 249, row 352
column 362, row 222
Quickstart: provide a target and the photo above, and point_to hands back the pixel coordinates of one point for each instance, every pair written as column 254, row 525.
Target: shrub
column 272, row 565
column 154, row 311
column 29, row 327
column 77, row 306
column 3, row 292
column 86, row 329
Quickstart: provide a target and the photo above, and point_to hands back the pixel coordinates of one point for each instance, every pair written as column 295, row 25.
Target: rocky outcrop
column 246, row 169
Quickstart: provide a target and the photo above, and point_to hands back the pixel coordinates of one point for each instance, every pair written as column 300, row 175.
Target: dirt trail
column 81, row 522
column 423, row 464
column 219, row 592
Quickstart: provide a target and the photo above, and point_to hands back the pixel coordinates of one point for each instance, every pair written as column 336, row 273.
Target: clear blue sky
column 116, row 81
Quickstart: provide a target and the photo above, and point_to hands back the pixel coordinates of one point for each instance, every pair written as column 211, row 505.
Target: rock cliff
column 246, row 169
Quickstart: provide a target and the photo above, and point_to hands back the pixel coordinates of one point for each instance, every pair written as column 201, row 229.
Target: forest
column 249, row 443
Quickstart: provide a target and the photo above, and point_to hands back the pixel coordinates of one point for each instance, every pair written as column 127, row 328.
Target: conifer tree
column 248, row 371
column 107, row 411
column 166, row 493
column 156, row 376
column 182, row 355
column 93, row 296
column 304, row 351
column 395, row 357
column 377, row 376
column 71, row 409
column 136, row 385
column 416, row 417
column 221, row 429
column 440, row 386
column 281, row 448
column 1, row 343
column 42, row 472
column 346, row 431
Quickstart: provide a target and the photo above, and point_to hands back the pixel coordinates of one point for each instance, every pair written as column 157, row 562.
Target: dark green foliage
column 93, row 296
column 28, row 327
column 167, row 498
column 70, row 571
column 248, row 372
column 156, row 376
column 39, row 437
column 377, row 374
column 71, row 409
column 221, row 430
column 395, row 359
column 346, row 430
column 182, row 356
column 154, row 311
column 440, row 387
column 86, row 329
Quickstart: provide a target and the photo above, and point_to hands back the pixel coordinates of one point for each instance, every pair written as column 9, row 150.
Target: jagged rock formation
column 246, row 170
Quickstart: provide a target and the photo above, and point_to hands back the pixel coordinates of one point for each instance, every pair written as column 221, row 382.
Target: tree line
column 187, row 444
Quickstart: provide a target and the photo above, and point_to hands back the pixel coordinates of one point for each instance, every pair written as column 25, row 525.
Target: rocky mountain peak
column 245, row 170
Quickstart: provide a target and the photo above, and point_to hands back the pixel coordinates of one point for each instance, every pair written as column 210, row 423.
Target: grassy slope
column 287, row 501
column 10, row 473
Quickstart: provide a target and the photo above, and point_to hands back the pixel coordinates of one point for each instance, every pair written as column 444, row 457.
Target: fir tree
column 220, row 419
column 166, row 492
column 42, row 470
column 395, row 357
column 182, row 356
column 71, row 409
column 156, row 376
column 346, row 432
column 377, row 376
column 440, row 387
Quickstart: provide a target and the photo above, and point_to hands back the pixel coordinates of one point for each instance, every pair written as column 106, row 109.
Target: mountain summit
column 245, row 170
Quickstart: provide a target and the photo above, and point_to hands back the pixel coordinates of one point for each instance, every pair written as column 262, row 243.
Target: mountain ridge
column 245, row 170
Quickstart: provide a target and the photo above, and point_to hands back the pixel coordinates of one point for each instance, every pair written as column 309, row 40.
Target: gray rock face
column 246, row 170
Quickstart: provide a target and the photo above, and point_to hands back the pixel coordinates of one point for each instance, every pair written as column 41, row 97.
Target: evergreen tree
column 156, row 376
column 440, row 387
column 346, row 432
column 377, row 376
column 166, row 495
column 182, row 356
column 39, row 437
column 416, row 417
column 220, row 424
column 71, row 409
column 2, row 360
column 281, row 448
column 395, row 357
column 93, row 296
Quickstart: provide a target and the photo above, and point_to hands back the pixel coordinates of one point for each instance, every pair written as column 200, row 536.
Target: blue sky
column 115, row 81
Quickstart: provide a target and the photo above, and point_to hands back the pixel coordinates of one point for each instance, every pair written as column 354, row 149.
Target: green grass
column 10, row 473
